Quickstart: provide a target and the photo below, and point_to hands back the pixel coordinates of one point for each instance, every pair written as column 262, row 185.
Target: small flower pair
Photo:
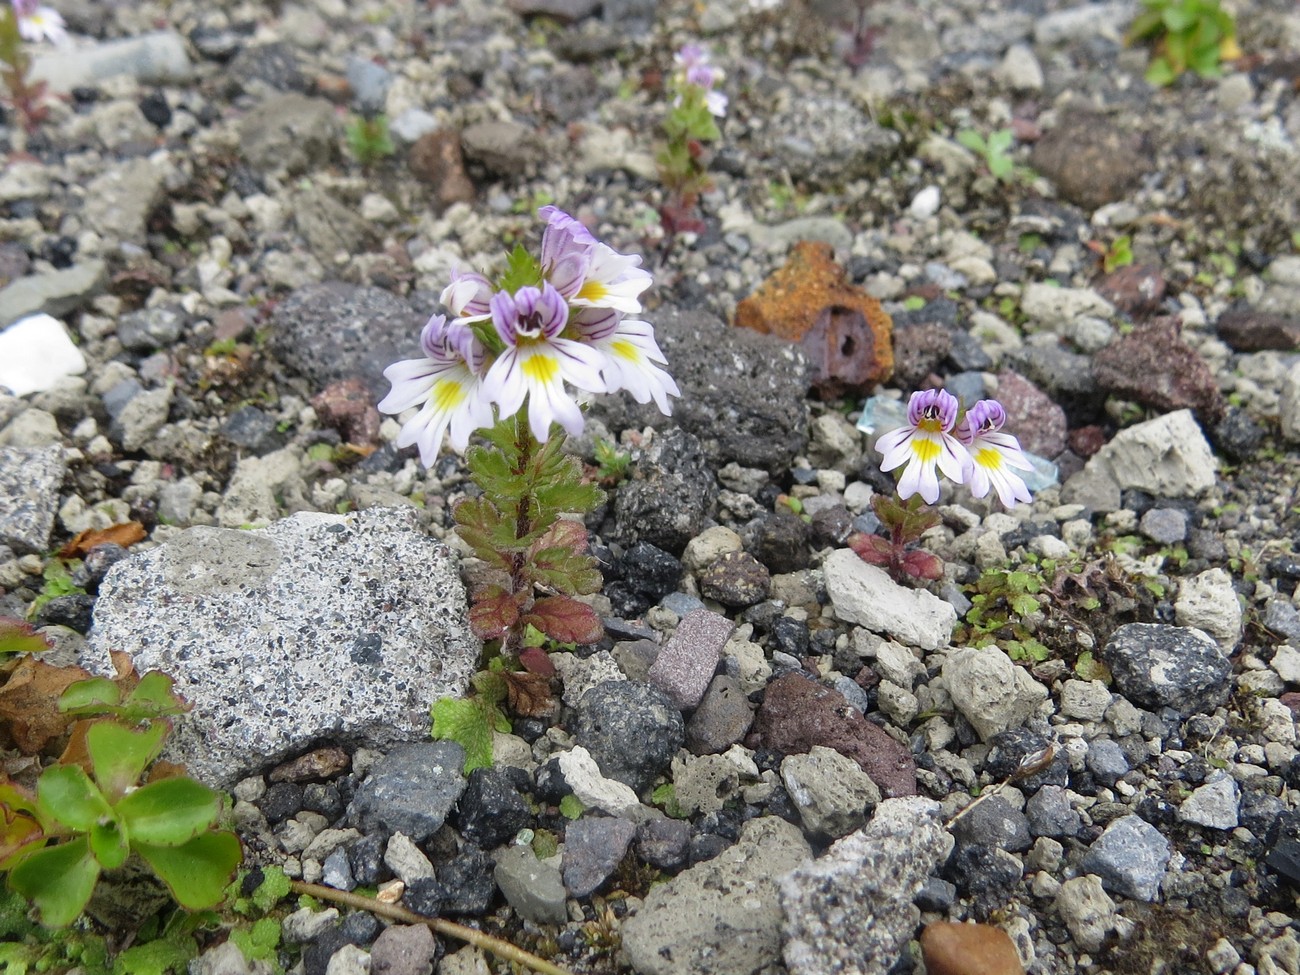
column 38, row 23
column 973, row 451
column 560, row 320
column 695, row 70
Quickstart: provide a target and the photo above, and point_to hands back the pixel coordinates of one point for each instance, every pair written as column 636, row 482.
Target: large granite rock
column 332, row 627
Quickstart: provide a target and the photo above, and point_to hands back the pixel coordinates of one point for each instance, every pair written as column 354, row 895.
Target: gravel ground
column 851, row 762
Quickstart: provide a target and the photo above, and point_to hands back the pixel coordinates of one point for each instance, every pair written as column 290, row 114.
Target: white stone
column 152, row 58
column 1087, row 911
column 864, row 594
column 1289, row 405
column 349, row 960
column 594, row 791
column 898, row 664
column 1057, row 307
column 1213, row 804
column 709, row 546
column 991, row 692
column 1208, row 602
column 926, row 203
column 35, row 353
column 407, row 860
column 1286, row 663
column 1085, row 700
column 1020, row 69
column 831, row 792
column 1165, row 457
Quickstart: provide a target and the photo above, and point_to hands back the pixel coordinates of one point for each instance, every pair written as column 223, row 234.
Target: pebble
column 1213, row 805
column 1087, row 911
column 1209, row 602
column 1158, row 665
column 831, row 792
column 632, row 731
column 36, row 353
column 1050, row 814
column 30, row 482
column 865, row 595
column 722, row 718
column 157, row 58
column 1167, row 526
column 491, row 811
column 407, row 860
column 404, row 949
column 533, row 888
column 993, row 822
column 686, row 664
column 1130, row 858
column 991, row 692
column 593, row 848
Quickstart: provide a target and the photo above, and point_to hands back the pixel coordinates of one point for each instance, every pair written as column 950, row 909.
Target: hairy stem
column 498, row 947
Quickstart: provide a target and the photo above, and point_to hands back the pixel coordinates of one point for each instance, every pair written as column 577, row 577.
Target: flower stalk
column 20, row 21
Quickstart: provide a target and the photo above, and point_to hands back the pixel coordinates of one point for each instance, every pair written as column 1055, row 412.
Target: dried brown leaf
column 125, row 534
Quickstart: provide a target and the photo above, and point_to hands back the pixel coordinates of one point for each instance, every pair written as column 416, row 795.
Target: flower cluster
column 695, row 72
column 548, row 325
column 38, row 23
column 971, row 451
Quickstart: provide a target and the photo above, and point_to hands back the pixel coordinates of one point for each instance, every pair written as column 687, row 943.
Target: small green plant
column 999, row 603
column 83, row 821
column 995, row 151
column 368, row 139
column 611, row 463
column 1119, row 254
column 1187, row 35
column 689, row 126
column 58, row 582
column 19, row 637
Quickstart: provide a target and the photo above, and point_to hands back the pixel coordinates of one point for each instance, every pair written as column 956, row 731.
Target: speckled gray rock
column 685, row 665
column 289, row 133
column 668, row 500
column 851, row 911
column 332, row 331
column 54, row 292
column 632, row 730
column 404, row 949
column 722, row 915
column 412, row 789
column 120, row 199
column 1050, row 814
column 991, row 692
column 30, row 479
column 827, row 142
column 533, row 888
column 1213, row 804
column 319, row 626
column 993, row 822
column 1130, row 858
column 593, row 847
column 744, row 395
column 831, row 792
column 1156, row 665
column 1208, row 602
column 864, row 594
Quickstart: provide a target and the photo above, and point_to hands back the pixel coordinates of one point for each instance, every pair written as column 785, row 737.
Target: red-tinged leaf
column 530, row 695
column 566, row 620
column 566, row 534
column 493, row 612
column 923, row 565
column 871, row 548
column 19, row 637
column 535, row 660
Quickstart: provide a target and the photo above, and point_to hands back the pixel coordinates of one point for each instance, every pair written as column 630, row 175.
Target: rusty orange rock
column 968, row 949
column 845, row 332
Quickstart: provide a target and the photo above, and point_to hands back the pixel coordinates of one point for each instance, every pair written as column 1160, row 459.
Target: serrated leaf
column 169, row 812
column 522, row 270
column 481, row 526
column 1088, row 667
column 1023, row 604
column 58, row 881
column 566, row 620
column 569, row 498
column 65, row 794
column 491, row 686
column 971, row 140
column 119, row 755
column 275, row 887
column 560, row 570
column 529, row 695
column 466, row 723
column 154, row 697
column 493, row 612
column 196, row 872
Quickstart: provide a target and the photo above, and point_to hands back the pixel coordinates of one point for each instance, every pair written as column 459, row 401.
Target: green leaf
column 65, row 794
column 571, row 807
column 259, row 942
column 154, row 697
column 999, row 142
column 108, row 842
column 972, row 140
column 119, row 755
column 98, row 695
column 465, row 722
column 491, row 686
column 1088, row 667
column 169, row 812
column 482, row 526
column 1022, row 604
column 566, row 620
column 158, row 957
column 57, row 880
column 19, row 637
column 1178, row 19
column 1159, row 73
column 275, row 887
column 522, row 270
column 196, row 872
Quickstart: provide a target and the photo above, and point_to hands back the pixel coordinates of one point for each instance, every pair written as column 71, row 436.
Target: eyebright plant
column 1187, row 35
column 96, row 807
column 511, row 363
column 26, row 20
column 368, row 139
column 996, row 153
column 971, row 450
column 688, row 126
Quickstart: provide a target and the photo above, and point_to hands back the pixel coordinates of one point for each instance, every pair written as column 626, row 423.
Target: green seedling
column 1119, row 254
column 56, row 844
column 995, row 151
column 611, row 463
column 368, row 139
column 905, row 522
column 1186, row 35
column 58, row 582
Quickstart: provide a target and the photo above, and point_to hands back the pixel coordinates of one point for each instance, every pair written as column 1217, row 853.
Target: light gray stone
column 305, row 924
column 1083, row 22
column 1087, row 911
column 227, row 959
column 1086, row 700
column 344, row 627
column 1130, row 858
column 851, row 911
column 582, row 775
column 349, row 960
column 31, row 428
column 722, row 915
column 991, row 692
column 864, row 594
column 407, row 860
column 54, row 292
column 832, row 793
column 25, row 181
column 120, row 199
column 258, row 487
column 141, row 417
column 289, row 133
column 1286, row 663
column 534, row 889
column 30, row 480
column 157, row 58
column 1289, row 405
column 1166, row 457
column 1213, row 804
column 1208, row 602
column 1020, row 69
column 1056, row 308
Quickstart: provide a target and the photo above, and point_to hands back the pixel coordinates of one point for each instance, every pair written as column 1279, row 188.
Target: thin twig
column 498, row 947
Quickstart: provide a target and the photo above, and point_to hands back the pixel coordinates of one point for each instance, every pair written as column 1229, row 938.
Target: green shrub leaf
column 57, row 880
column 66, row 794
column 467, row 723
column 195, row 872
column 566, row 620
column 169, row 812
column 119, row 755
column 108, row 841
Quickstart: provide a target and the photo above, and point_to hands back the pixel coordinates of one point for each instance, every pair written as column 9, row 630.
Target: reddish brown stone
column 437, row 160
column 737, row 579
column 1247, row 330
column 1136, row 290
column 1155, row 367
column 1086, row 441
column 348, row 407
column 1033, row 417
column 968, row 949
column 323, row 763
column 798, row 713
column 844, row 331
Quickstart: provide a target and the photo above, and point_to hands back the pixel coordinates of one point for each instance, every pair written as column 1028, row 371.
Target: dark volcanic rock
column 737, row 579
column 1156, row 665
column 631, row 729
column 670, row 494
column 593, row 847
column 1037, row 422
column 798, row 713
column 1248, row 330
column 1136, row 290
column 412, row 789
column 491, row 810
column 744, row 395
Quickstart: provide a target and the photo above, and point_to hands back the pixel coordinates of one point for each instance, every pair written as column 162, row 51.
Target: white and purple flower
column 924, row 444
column 446, row 384
column 992, row 454
column 585, row 271
column 39, row 23
column 633, row 359
column 695, row 70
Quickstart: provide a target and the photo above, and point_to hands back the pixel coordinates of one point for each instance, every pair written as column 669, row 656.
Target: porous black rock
column 1156, row 665
column 491, row 810
column 670, row 495
column 631, row 729
column 412, row 789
